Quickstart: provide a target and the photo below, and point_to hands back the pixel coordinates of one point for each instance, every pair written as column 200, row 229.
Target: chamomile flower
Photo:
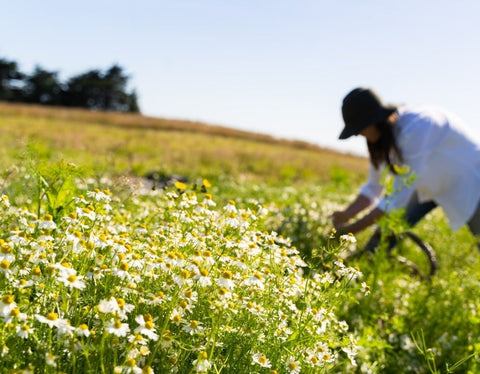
column 348, row 238
column 52, row 320
column 22, row 283
column 365, row 289
column 203, row 278
column 4, row 201
column 50, row 359
column 208, row 201
column 230, row 207
column 24, row 331
column 72, row 281
column 7, row 304
column 147, row 370
column 117, row 328
column 5, row 268
column 256, row 281
column 351, row 352
column 226, row 280
column 201, row 364
column 146, row 327
column 87, row 212
column 176, row 316
column 15, row 314
column 131, row 366
column 46, row 223
column 82, row 330
column 262, row 360
column 193, row 327
column 137, row 339
column 6, row 253
column 98, row 195
column 122, row 271
column 108, row 306
column 293, row 366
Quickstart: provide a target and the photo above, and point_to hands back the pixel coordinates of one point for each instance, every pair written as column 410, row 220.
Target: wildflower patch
column 173, row 283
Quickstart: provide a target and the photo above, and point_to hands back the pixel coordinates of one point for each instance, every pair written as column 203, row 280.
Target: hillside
column 136, row 144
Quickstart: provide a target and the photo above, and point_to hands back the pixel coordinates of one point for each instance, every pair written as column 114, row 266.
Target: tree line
column 95, row 89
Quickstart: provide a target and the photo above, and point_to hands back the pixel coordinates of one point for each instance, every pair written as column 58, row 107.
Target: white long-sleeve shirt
column 445, row 160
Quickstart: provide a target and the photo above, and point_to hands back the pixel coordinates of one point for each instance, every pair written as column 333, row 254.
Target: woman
column 442, row 161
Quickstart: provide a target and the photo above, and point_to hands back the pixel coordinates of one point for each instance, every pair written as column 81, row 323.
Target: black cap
column 363, row 107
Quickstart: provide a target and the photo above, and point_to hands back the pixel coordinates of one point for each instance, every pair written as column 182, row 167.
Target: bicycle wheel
column 418, row 255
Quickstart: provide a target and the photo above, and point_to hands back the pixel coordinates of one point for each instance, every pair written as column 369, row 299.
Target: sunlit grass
column 123, row 144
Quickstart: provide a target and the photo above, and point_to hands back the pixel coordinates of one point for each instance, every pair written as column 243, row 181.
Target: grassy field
column 235, row 271
column 133, row 144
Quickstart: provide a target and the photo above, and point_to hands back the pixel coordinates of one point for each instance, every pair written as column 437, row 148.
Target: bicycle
column 411, row 250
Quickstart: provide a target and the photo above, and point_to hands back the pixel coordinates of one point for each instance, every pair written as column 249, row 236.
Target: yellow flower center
column 52, row 316
column 185, row 274
column 147, row 317
column 72, row 278
column 149, row 325
column 117, row 324
column 15, row 312
column 124, row 266
column 7, row 299
column 4, row 264
column 262, row 360
column 6, row 249
column 130, row 362
column 194, row 324
column 227, row 275
column 292, row 365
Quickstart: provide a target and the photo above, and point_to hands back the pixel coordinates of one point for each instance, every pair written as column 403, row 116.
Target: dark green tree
column 43, row 87
column 101, row 91
column 11, row 81
column 133, row 102
column 93, row 89
column 84, row 90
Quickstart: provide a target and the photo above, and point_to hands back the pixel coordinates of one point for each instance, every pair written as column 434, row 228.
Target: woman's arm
column 369, row 193
column 339, row 218
column 361, row 224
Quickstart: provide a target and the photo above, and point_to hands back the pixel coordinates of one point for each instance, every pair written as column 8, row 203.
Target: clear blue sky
column 272, row 66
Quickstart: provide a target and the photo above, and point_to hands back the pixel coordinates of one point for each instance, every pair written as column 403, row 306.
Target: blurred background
column 274, row 67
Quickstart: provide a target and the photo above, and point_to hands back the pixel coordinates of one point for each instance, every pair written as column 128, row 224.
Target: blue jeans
column 414, row 212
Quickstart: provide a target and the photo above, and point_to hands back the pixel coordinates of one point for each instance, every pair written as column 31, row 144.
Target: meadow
column 235, row 270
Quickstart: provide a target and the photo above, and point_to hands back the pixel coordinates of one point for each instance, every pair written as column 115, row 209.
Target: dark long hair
column 385, row 148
